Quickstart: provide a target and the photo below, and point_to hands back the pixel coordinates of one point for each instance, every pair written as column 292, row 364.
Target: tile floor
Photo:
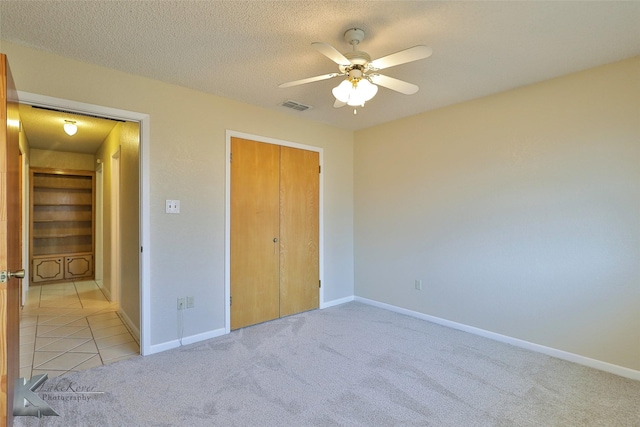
column 67, row 327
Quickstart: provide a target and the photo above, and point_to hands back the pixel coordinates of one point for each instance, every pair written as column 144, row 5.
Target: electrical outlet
column 418, row 284
column 180, row 303
column 190, row 302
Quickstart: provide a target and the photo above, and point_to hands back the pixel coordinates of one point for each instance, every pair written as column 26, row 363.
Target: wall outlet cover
column 172, row 206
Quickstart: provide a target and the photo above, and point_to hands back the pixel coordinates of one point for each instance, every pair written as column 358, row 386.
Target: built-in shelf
column 62, row 225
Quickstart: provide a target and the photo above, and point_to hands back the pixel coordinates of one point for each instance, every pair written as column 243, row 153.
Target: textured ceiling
column 244, row 49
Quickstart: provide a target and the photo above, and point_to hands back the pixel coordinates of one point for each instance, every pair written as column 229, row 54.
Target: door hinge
column 319, row 169
column 230, row 157
column 319, row 283
column 140, row 249
column 230, row 300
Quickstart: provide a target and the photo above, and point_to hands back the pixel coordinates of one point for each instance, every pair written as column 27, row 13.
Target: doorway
column 273, row 249
column 137, row 322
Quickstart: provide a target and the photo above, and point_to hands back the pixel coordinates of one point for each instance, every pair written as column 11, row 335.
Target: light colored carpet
column 350, row 365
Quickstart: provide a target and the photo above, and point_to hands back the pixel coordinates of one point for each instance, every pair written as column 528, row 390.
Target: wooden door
column 10, row 256
column 254, row 226
column 274, row 231
column 299, row 230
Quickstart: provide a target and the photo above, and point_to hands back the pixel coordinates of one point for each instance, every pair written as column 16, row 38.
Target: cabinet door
column 46, row 269
column 77, row 266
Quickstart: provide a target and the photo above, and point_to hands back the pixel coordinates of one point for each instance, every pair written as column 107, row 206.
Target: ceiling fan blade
column 309, row 80
column 339, row 104
column 331, row 53
column 408, row 55
column 394, row 84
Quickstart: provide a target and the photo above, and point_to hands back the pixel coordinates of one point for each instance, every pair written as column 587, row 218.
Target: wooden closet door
column 254, row 226
column 299, row 230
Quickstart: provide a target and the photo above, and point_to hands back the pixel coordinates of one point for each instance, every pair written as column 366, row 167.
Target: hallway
column 68, row 327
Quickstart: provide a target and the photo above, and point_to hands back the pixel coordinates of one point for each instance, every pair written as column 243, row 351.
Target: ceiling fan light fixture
column 362, row 78
column 342, row 91
column 356, row 98
column 356, row 92
column 70, row 127
column 367, row 89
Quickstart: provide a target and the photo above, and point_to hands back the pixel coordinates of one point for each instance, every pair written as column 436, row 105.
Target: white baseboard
column 135, row 331
column 336, row 302
column 203, row 336
column 158, row 348
column 549, row 351
column 106, row 292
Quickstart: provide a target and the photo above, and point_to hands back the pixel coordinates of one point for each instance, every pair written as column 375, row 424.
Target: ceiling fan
column 362, row 77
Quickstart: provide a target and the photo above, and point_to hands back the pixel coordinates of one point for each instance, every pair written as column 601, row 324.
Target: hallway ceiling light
column 70, row 127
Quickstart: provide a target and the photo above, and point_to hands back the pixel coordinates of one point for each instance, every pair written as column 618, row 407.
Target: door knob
column 19, row 274
column 6, row 275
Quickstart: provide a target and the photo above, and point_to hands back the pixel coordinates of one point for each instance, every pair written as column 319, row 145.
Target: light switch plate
column 172, row 206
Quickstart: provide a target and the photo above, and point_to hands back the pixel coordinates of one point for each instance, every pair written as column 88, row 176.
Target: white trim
column 132, row 328
column 227, row 212
column 145, row 235
column 158, row 348
column 145, row 198
column 106, row 292
column 335, row 302
column 553, row 352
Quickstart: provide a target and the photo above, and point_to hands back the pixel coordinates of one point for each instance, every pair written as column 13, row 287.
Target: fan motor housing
column 353, row 36
column 358, row 57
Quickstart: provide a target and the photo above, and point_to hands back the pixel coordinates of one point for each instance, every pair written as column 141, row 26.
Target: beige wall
column 23, row 143
column 124, row 138
column 519, row 212
column 130, row 221
column 61, row 160
column 187, row 162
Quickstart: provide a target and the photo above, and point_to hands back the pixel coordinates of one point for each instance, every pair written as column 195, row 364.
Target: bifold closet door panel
column 255, row 220
column 299, row 230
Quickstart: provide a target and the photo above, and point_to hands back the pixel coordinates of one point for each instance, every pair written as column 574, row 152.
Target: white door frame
column 227, row 221
column 145, row 185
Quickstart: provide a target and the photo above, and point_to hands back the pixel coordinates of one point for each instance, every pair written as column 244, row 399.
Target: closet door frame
column 227, row 226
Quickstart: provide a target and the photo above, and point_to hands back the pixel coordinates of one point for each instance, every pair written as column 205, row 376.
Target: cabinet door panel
column 46, row 269
column 78, row 266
